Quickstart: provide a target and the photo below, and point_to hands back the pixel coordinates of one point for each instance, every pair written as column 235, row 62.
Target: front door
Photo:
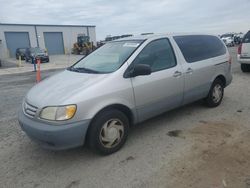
column 162, row 90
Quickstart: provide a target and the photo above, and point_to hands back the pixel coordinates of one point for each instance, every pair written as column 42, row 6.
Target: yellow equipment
column 83, row 46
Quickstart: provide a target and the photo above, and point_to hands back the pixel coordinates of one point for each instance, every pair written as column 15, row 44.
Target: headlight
column 58, row 113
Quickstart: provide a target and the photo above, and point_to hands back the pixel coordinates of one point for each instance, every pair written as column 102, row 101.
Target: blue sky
column 117, row 17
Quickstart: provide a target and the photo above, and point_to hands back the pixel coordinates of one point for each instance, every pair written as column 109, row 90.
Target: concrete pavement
column 12, row 66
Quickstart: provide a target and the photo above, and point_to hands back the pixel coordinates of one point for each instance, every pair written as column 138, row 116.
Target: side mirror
column 140, row 69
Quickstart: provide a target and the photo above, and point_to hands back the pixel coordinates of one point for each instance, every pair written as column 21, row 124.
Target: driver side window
column 158, row 55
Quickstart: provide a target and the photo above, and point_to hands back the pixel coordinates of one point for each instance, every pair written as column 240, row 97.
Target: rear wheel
column 108, row 132
column 245, row 67
column 215, row 94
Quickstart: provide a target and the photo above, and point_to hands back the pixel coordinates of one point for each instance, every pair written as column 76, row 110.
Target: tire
column 215, row 94
column 245, row 68
column 114, row 138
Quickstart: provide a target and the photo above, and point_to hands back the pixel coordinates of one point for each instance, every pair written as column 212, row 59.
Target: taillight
column 230, row 60
column 239, row 49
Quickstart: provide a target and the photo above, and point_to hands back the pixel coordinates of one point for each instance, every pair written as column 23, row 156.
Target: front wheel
column 215, row 94
column 108, row 132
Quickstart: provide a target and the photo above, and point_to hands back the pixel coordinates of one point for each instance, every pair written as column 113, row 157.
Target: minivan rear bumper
column 54, row 137
column 243, row 60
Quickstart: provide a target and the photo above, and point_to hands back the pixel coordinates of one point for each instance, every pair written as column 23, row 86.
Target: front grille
column 29, row 109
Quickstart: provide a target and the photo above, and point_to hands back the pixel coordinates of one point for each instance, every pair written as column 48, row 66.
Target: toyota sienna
column 124, row 82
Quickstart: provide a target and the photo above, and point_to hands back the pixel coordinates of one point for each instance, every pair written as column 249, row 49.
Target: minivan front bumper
column 54, row 137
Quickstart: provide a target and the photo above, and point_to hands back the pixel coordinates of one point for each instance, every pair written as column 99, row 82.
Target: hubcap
column 217, row 93
column 111, row 133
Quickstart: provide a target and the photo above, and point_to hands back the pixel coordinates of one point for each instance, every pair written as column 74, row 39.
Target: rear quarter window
column 246, row 38
column 200, row 47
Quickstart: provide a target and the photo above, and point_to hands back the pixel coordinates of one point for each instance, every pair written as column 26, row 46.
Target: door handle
column 177, row 74
column 189, row 71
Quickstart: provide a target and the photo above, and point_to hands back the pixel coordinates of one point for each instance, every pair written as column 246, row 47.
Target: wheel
column 215, row 94
column 108, row 132
column 245, row 68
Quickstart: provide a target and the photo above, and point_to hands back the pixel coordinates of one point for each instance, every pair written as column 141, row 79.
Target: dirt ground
column 219, row 158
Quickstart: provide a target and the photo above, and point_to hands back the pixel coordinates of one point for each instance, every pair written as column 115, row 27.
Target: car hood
column 57, row 89
column 40, row 54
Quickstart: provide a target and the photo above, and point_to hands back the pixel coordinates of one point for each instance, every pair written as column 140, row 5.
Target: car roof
column 152, row 36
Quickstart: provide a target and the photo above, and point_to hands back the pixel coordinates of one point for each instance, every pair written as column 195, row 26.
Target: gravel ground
column 192, row 146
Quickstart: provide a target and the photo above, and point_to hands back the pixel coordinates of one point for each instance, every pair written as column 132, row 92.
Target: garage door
column 16, row 40
column 54, row 42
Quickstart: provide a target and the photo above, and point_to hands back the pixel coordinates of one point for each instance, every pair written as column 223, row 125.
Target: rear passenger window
column 246, row 38
column 158, row 55
column 200, row 47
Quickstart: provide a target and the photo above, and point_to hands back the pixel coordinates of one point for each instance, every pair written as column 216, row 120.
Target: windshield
column 107, row 58
column 22, row 50
column 36, row 50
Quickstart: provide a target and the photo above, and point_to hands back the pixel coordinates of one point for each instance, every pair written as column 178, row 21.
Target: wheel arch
column 222, row 78
column 121, row 107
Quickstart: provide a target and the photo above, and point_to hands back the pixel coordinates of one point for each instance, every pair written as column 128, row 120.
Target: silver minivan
column 124, row 82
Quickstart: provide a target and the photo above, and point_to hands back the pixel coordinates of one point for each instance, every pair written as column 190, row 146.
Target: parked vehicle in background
column 21, row 52
column 228, row 39
column 124, row 82
column 36, row 53
column 238, row 38
column 244, row 53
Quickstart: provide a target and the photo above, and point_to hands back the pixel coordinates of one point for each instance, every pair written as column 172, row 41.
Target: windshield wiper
column 82, row 69
column 72, row 69
column 87, row 70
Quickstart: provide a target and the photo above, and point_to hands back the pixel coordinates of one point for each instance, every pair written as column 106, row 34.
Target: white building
column 57, row 39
